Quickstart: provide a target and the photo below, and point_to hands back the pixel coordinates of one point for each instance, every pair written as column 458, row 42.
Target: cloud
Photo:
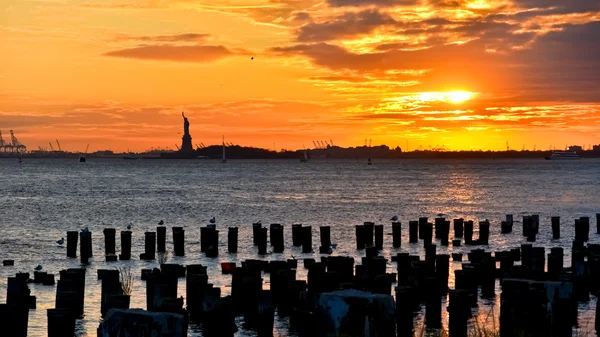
column 379, row 3
column 561, row 6
column 346, row 25
column 196, row 54
column 186, row 37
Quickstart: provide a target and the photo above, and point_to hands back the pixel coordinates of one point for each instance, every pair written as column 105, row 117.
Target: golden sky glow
column 463, row 74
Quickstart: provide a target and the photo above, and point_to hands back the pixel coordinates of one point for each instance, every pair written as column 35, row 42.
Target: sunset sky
column 464, row 74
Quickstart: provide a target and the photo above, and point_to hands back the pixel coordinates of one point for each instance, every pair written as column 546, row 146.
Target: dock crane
column 51, row 147
column 86, row 148
column 58, row 144
column 331, row 140
column 315, row 144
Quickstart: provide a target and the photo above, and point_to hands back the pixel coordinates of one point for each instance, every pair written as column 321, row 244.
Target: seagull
column 333, row 245
column 85, row 230
column 212, row 220
column 252, row 58
column 394, row 218
column 161, row 222
column 39, row 267
column 128, row 226
column 61, row 241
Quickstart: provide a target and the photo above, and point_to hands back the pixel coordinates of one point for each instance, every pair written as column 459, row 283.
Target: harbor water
column 41, row 199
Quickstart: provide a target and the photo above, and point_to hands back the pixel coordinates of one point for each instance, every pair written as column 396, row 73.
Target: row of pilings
column 340, row 296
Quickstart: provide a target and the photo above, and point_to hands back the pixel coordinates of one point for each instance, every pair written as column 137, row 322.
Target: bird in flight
column 252, row 58
column 394, row 218
column 213, row 220
column 161, row 222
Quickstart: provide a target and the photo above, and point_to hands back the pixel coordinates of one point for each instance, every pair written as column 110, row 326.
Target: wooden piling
column 484, row 232
column 433, row 305
column 161, row 239
column 458, row 227
column 422, row 223
column 60, row 323
column 379, row 237
column 125, row 245
column 277, row 240
column 72, row 237
column 261, row 240
column 306, row 239
column 85, row 246
column 179, row 241
column 325, row 234
column 256, row 232
column 396, row 234
column 468, row 232
column 459, row 313
column 555, row 227
column 149, row 246
column 232, row 240
column 296, row 235
column 369, row 229
column 360, row 235
column 109, row 241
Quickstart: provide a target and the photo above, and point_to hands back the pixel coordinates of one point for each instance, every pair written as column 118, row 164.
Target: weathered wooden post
column 459, row 311
column 161, row 239
column 379, row 237
column 307, row 239
column 427, row 234
column 360, row 237
column 261, row 240
column 369, row 228
column 277, row 238
column 439, row 223
column 413, row 231
column 149, row 246
column 468, row 232
column 505, row 228
column 442, row 271
column 85, row 246
column 232, row 240
column 597, row 228
column 396, row 234
column 433, row 305
column 404, row 311
column 555, row 227
column 60, row 323
column 256, row 232
column 179, row 241
column 422, row 223
column 444, row 232
column 325, row 247
column 458, row 227
column 72, row 237
column 484, row 232
column 555, row 263
column 125, row 246
column 109, row 241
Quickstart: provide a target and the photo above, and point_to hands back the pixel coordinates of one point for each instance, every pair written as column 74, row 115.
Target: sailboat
column 304, row 159
column 82, row 157
column 223, row 158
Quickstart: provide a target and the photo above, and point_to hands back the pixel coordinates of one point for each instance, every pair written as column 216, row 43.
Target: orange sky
column 464, row 74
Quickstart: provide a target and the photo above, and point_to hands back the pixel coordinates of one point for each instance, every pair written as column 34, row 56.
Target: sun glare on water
column 451, row 96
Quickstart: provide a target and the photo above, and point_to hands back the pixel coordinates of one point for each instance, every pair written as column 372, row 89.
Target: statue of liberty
column 186, row 125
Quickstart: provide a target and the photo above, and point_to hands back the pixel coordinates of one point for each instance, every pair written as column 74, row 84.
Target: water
column 43, row 198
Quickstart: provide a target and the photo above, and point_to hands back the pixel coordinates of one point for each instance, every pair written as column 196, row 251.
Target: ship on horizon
column 563, row 155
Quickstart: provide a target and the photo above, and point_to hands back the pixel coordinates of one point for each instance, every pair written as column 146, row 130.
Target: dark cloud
column 561, row 6
column 187, row 37
column 346, row 25
column 198, row 54
column 380, row 3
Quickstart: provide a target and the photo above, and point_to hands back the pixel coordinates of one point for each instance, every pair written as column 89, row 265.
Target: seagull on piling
column 394, row 218
column 161, row 222
column 85, row 230
column 61, row 241
column 129, row 226
column 39, row 267
column 212, row 220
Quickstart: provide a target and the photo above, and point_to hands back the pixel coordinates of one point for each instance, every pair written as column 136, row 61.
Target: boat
column 563, row 155
column 304, row 159
column 131, row 157
column 369, row 162
column 223, row 158
column 82, row 159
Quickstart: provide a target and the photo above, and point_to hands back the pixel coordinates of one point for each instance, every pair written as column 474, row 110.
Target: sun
column 459, row 96
column 455, row 97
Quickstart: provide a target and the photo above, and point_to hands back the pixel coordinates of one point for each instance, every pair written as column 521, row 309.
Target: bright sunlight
column 452, row 96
